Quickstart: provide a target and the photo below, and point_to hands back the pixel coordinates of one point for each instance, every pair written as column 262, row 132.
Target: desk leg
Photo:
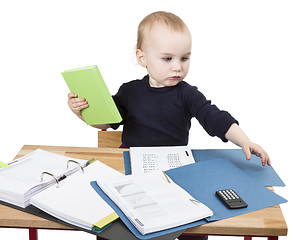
column 269, row 238
column 32, row 233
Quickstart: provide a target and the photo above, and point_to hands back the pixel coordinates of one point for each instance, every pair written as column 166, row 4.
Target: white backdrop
column 244, row 58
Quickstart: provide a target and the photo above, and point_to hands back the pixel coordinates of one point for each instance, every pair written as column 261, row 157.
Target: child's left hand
column 252, row 148
column 236, row 135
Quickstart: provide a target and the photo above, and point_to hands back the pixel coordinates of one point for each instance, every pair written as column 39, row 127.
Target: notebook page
column 75, row 201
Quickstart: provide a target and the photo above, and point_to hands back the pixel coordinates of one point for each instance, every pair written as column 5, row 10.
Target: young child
column 157, row 110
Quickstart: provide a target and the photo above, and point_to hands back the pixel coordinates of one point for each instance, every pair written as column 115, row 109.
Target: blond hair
column 169, row 19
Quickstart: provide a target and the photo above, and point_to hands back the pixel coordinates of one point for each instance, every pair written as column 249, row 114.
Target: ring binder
column 42, row 178
column 62, row 177
column 67, row 166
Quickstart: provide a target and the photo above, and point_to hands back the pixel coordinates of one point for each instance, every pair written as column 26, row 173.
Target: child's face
column 166, row 55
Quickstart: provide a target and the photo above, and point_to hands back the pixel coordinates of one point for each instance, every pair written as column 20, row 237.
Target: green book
column 87, row 82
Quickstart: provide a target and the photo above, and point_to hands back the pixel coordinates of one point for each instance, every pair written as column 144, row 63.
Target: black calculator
column 231, row 199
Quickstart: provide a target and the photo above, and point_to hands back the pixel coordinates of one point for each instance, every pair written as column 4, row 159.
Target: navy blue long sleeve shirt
column 162, row 116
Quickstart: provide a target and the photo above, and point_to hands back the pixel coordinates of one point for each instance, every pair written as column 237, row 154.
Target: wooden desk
column 267, row 222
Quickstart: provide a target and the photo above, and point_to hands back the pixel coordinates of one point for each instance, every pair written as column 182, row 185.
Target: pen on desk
column 89, row 162
column 166, row 176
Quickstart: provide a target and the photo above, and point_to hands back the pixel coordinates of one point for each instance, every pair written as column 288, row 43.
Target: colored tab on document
column 3, row 165
column 106, row 220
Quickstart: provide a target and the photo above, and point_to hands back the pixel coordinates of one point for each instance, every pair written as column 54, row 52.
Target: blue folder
column 202, row 180
column 266, row 175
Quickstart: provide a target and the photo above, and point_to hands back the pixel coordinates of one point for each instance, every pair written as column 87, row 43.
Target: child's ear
column 140, row 57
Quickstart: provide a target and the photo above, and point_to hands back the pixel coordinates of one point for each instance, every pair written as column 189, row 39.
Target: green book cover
column 88, row 83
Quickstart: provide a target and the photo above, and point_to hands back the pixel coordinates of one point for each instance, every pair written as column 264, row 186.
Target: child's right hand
column 76, row 104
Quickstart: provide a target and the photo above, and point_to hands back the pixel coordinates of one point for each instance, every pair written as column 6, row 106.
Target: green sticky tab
column 3, row 165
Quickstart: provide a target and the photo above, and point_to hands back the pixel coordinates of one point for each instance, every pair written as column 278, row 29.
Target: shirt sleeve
column 215, row 122
column 119, row 100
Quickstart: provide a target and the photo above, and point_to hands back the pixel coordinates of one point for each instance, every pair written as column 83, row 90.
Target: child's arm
column 77, row 104
column 236, row 135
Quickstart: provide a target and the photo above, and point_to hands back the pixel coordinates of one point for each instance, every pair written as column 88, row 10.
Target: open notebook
column 76, row 202
column 153, row 202
column 22, row 178
column 65, row 191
